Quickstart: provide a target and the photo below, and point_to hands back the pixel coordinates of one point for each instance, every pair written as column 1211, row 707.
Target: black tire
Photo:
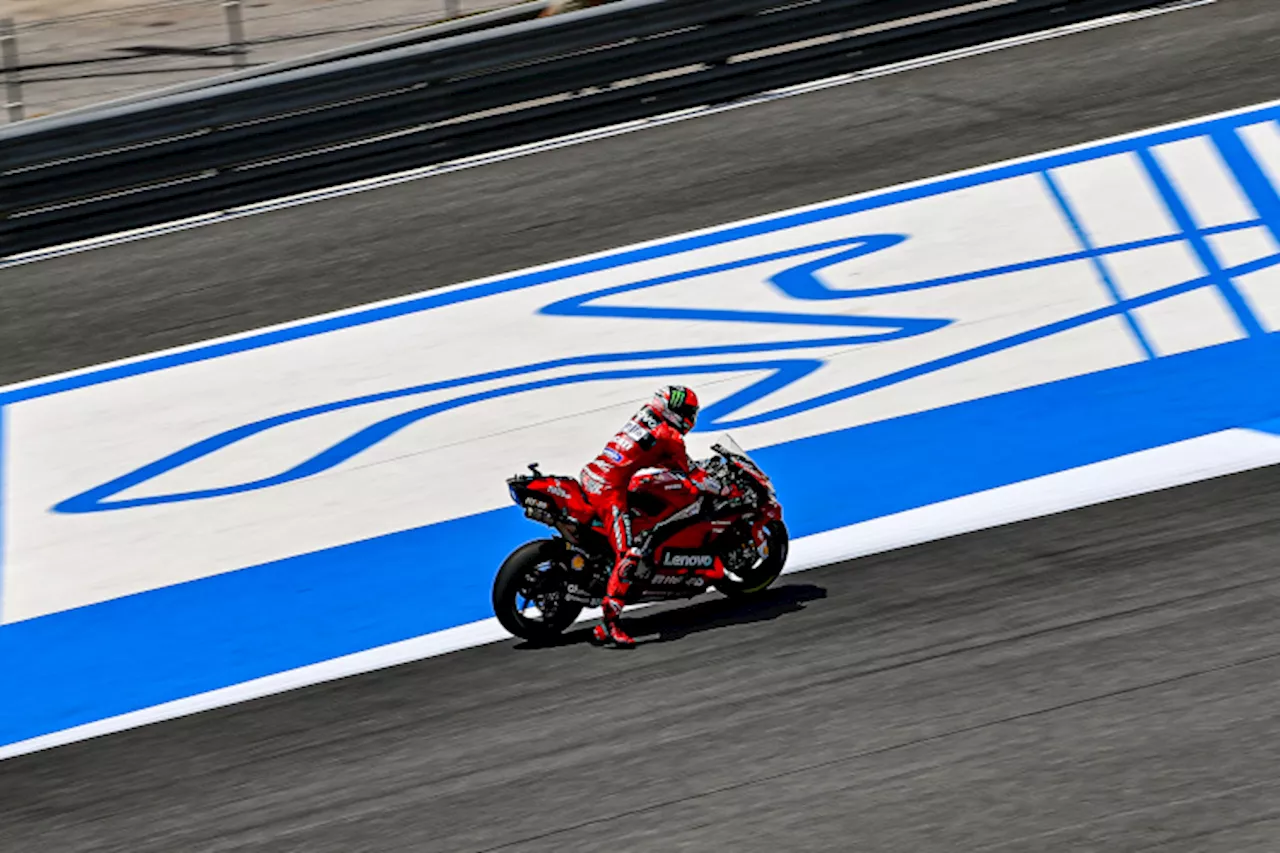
column 762, row 576
column 529, row 573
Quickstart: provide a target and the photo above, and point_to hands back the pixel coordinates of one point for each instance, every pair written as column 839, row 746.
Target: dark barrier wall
column 141, row 163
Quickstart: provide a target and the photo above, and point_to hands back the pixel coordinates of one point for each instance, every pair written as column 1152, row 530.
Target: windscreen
column 726, row 441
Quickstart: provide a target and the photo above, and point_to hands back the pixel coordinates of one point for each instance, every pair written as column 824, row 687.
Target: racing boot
column 608, row 632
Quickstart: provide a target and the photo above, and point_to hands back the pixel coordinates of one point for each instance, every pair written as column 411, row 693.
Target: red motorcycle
column 721, row 527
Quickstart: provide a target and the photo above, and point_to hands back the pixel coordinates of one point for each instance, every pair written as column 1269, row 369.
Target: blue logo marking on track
column 800, row 282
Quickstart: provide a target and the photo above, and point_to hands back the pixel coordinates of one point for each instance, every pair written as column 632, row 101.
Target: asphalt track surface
column 1105, row 679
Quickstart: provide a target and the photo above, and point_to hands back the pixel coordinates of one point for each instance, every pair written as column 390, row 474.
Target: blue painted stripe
column 1271, row 427
column 94, row 662
column 3, row 503
column 182, row 640
column 1178, row 209
column 1249, row 175
column 677, row 246
column 1099, row 265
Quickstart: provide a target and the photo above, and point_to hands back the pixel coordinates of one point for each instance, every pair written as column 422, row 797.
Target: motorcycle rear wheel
column 528, row 593
column 768, row 570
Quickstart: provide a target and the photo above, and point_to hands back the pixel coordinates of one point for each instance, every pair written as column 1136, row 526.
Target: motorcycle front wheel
column 529, row 592
column 764, row 573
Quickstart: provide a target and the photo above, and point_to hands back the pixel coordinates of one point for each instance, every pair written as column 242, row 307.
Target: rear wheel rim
column 537, row 601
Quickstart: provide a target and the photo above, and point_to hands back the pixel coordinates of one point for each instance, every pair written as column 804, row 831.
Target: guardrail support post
column 451, row 9
column 12, row 74
column 235, row 33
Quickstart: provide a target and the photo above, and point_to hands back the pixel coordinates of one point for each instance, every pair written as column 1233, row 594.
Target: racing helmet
column 677, row 405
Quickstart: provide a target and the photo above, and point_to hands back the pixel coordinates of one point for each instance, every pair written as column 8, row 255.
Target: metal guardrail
column 112, row 49
column 524, row 11
column 138, row 164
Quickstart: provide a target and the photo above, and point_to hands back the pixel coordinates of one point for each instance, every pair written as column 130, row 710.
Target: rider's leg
column 613, row 511
column 611, row 506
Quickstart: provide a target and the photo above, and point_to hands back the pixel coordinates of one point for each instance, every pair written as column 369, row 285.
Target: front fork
column 760, row 529
column 759, row 540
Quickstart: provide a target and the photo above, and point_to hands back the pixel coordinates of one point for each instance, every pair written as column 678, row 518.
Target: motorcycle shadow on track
column 664, row 626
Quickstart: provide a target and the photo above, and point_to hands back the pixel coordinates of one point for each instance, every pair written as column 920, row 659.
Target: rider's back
column 646, row 441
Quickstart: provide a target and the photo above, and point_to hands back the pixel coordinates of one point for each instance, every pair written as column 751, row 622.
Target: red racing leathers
column 646, row 441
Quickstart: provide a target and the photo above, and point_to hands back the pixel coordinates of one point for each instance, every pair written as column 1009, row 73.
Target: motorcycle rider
column 653, row 438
